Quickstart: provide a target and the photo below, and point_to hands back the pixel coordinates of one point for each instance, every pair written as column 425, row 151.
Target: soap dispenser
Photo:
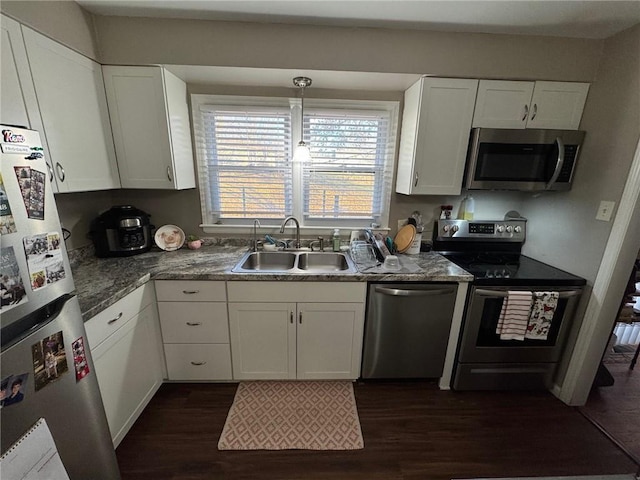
column 469, row 207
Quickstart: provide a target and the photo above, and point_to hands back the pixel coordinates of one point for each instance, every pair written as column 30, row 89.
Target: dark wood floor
column 411, row 431
column 616, row 408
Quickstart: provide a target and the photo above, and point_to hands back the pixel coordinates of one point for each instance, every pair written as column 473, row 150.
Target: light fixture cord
column 302, row 115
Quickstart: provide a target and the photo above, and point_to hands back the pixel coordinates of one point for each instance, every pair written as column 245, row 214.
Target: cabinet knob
column 169, row 174
column 194, row 324
column 535, row 111
column 197, row 364
column 415, row 183
column 190, row 292
column 526, row 112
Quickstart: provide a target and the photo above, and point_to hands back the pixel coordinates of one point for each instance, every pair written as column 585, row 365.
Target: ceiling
column 573, row 18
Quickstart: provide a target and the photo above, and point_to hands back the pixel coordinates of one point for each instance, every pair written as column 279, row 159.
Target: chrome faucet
column 256, row 224
column 296, row 245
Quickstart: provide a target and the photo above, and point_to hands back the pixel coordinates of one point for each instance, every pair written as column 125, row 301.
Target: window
column 244, row 148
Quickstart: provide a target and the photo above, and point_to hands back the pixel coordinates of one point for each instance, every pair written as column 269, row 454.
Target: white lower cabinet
column 317, row 334
column 195, row 329
column 126, row 348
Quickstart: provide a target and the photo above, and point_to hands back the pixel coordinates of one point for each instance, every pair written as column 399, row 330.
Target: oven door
column 481, row 344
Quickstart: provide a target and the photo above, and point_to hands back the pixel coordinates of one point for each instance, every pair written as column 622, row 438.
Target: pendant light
column 302, row 153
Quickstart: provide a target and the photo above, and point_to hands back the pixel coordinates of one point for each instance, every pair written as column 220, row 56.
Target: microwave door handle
column 559, row 164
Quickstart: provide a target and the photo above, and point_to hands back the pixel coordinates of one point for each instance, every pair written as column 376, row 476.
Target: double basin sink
column 295, row 262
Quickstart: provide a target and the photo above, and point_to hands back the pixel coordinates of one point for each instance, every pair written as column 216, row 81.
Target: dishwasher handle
column 398, row 292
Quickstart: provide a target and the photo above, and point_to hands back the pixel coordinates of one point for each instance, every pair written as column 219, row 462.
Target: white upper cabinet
column 513, row 104
column 435, row 135
column 151, row 129
column 14, row 56
column 18, row 102
column 74, row 116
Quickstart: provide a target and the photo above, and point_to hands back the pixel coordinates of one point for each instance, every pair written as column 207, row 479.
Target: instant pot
column 121, row 231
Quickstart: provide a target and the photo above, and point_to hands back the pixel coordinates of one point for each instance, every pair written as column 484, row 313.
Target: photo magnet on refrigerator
column 7, row 224
column 44, row 258
column 49, row 360
column 80, row 359
column 13, row 389
column 12, row 291
column 32, row 183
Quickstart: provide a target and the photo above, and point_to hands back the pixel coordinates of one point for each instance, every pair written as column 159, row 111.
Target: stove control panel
column 493, row 230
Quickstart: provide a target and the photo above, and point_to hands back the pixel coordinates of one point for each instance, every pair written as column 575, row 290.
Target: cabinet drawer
column 261, row 291
column 198, row 362
column 117, row 315
column 190, row 291
column 193, row 322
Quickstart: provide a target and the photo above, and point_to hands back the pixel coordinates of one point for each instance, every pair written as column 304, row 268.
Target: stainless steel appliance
column 527, row 159
column 45, row 363
column 490, row 250
column 121, row 231
column 407, row 329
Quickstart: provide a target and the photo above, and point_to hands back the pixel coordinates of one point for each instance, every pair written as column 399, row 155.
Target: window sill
column 275, row 230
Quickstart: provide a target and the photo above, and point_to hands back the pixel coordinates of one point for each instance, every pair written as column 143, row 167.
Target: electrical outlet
column 605, row 210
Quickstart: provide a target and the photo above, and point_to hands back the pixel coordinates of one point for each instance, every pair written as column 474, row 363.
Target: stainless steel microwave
column 526, row 160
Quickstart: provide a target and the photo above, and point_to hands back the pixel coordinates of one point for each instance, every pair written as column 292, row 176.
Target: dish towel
column 514, row 316
column 544, row 308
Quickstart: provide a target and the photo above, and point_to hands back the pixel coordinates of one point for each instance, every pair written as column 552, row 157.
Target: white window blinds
column 349, row 174
column 244, row 148
column 247, row 161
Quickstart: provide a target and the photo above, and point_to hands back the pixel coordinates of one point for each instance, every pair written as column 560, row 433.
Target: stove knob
column 509, row 229
column 505, row 273
column 445, row 228
column 454, row 228
column 517, row 229
column 500, row 228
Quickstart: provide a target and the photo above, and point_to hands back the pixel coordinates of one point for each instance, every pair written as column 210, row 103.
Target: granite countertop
column 100, row 282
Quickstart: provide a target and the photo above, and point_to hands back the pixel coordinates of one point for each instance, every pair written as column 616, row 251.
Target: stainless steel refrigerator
column 46, row 368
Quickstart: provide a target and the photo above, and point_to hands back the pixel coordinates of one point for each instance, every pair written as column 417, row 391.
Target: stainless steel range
column 490, row 251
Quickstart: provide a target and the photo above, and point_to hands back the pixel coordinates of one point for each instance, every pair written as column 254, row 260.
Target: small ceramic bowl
column 194, row 244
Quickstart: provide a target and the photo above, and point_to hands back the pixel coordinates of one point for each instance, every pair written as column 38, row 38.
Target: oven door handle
column 505, row 294
column 413, row 293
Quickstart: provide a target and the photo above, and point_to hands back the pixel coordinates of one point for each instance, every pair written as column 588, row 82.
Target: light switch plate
column 605, row 210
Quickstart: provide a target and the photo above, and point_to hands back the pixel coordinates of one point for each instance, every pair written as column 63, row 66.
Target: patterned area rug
column 318, row 415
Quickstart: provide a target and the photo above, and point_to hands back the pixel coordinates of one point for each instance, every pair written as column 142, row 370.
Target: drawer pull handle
column 194, row 324
column 190, row 292
column 114, row 320
column 197, row 364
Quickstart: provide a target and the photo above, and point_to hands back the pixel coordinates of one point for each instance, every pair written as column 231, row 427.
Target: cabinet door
column 435, row 136
column 263, row 340
column 12, row 100
column 502, row 104
column 129, row 368
column 18, row 103
column 557, row 105
column 329, row 340
column 73, row 108
column 147, row 129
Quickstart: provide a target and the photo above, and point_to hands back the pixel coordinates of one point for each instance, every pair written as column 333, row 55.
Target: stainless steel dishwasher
column 407, row 329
